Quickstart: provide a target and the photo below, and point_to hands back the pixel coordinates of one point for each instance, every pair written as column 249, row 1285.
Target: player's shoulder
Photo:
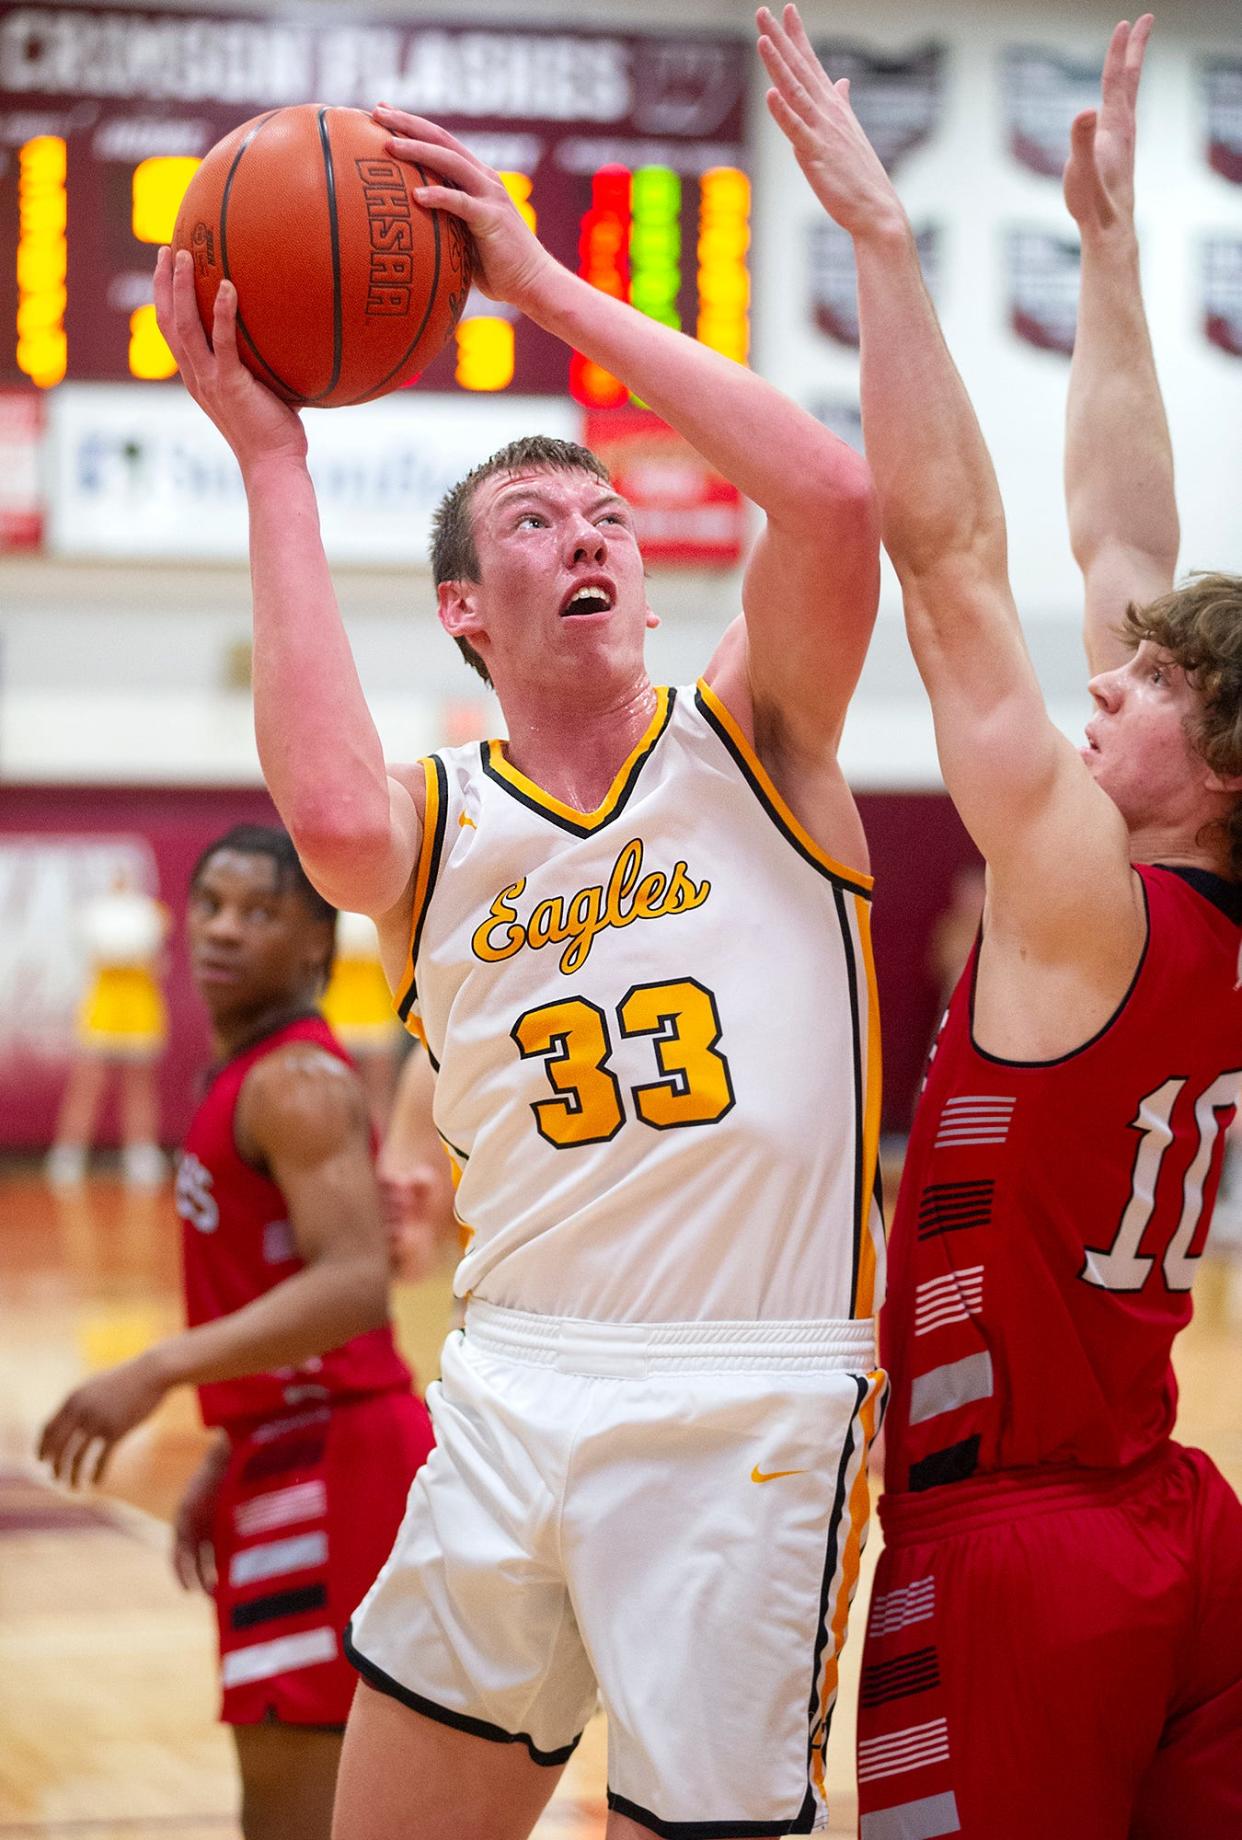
column 302, row 1089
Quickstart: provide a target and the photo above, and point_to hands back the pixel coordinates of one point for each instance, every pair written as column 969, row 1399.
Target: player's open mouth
column 593, row 598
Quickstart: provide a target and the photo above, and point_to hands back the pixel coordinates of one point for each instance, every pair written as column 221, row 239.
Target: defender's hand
column 814, row 113
column 1099, row 174
column 254, row 422
column 509, row 256
column 194, row 1551
column 79, row 1439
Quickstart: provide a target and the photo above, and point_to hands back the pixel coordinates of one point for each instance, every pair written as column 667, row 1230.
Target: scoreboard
column 624, row 152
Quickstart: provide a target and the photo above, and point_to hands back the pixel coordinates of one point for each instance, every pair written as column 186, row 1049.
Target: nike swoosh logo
column 771, row 1475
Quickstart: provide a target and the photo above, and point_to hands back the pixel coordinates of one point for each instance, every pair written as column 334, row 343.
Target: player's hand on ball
column 79, row 1439
column 1099, row 174
column 254, row 422
column 509, row 258
column 814, row 114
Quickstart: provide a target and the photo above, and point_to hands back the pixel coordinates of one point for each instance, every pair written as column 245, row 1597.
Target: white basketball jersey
column 656, row 1037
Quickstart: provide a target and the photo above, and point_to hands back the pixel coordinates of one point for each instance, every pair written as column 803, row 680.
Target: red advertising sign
column 21, row 486
column 684, row 511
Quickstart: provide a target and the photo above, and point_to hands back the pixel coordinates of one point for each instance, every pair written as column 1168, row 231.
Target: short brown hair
column 1199, row 625
column 453, row 553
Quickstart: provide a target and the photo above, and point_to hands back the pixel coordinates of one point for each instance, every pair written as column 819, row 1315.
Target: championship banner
column 1043, row 92
column 21, row 487
column 1222, row 293
column 898, row 100
column 1043, row 288
column 684, row 512
column 1222, row 96
column 833, row 281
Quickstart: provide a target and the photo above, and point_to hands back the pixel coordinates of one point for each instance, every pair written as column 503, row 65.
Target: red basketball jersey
column 237, row 1243
column 1051, row 1215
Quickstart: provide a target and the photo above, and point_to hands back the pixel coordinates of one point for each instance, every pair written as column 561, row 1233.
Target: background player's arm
column 193, row 1554
column 1118, row 456
column 356, row 829
column 813, row 580
column 1055, row 844
column 302, row 1116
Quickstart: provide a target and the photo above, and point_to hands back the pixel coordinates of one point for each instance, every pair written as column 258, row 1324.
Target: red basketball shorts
column 1061, row 1657
column 306, row 1514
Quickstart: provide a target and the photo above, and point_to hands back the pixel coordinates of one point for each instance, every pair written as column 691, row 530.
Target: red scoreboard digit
column 624, row 152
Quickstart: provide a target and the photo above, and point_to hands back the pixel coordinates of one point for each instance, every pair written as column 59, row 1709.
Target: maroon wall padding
column 917, row 845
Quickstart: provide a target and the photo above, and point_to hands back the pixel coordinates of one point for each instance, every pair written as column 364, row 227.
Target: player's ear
column 458, row 610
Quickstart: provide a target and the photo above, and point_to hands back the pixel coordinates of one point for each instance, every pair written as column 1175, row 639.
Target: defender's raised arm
column 1122, row 513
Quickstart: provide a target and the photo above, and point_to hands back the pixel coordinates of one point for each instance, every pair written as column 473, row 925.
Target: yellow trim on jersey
column 585, row 820
column 864, row 1289
column 857, row 877
column 857, row 1517
column 432, row 826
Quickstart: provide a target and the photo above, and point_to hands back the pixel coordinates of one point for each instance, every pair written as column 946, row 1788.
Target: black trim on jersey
column 278, row 1604
column 437, row 845
column 744, row 767
column 818, row 1740
column 459, row 1721
column 946, row 1207
column 1225, row 896
column 900, row 1678
column 861, row 1226
column 461, row 1155
column 1058, row 1060
column 701, row 1830
column 955, row 1463
column 619, row 803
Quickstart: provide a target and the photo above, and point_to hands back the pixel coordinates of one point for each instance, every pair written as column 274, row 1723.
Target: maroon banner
column 833, row 280
column 1043, row 288
column 1222, row 99
column 898, row 100
column 1222, row 293
column 1043, row 92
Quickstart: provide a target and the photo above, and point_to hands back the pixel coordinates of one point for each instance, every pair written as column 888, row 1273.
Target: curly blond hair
column 1199, row 625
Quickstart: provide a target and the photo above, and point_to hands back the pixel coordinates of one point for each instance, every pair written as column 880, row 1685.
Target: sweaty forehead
column 548, row 485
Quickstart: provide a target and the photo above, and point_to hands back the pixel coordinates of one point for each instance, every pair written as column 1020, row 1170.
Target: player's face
column 561, row 588
column 1138, row 746
column 253, row 944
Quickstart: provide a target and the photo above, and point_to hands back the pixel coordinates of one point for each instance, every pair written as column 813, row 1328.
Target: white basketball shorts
column 668, row 1516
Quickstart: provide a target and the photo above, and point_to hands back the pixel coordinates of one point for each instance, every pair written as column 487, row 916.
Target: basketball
column 347, row 287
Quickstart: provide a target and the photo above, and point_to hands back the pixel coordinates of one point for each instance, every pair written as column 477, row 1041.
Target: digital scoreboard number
column 624, row 153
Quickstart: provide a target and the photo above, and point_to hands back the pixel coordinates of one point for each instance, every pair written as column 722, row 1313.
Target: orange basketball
column 346, row 286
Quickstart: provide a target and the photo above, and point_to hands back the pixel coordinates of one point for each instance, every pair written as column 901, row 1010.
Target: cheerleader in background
column 122, row 1030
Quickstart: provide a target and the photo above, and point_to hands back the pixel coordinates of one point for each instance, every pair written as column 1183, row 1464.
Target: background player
column 1050, row 1554
column 288, row 1518
column 671, row 1266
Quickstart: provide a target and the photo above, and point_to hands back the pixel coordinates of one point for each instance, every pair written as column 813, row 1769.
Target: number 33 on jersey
column 655, row 1033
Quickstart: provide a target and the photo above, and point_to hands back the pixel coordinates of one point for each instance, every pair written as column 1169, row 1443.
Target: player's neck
column 233, row 1035
column 1177, row 851
column 572, row 746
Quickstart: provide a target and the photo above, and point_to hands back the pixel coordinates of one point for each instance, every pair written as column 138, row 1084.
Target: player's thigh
column 712, row 1546
column 1194, row 1783
column 408, row 1777
column 288, row 1780
column 1014, row 1679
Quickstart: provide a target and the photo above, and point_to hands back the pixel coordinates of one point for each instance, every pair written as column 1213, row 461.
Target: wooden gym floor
column 107, row 1669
